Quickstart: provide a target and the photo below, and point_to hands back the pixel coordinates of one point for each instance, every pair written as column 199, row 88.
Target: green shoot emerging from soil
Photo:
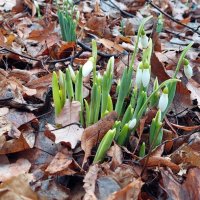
column 68, row 18
column 132, row 100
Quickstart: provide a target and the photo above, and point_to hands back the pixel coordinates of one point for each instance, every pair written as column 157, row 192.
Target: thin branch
column 170, row 17
column 105, row 55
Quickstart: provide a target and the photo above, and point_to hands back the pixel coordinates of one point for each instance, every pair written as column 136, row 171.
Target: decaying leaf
column 70, row 134
column 157, row 161
column 187, row 156
column 90, row 181
column 116, row 153
column 62, row 164
column 69, row 113
column 188, row 190
column 93, row 134
column 131, row 191
column 8, row 171
column 17, row 188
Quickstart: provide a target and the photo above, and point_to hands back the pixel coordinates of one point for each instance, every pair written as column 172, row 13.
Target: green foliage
column 131, row 103
column 104, row 146
column 68, row 17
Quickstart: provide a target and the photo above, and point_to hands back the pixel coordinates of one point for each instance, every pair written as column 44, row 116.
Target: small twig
column 122, row 11
column 41, row 61
column 170, row 17
column 87, row 48
column 177, row 34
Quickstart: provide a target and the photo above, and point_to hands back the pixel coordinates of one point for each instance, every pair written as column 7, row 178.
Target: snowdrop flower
column 187, row 68
column 188, row 71
column 87, row 67
column 163, row 101
column 132, row 123
column 145, row 75
column 144, row 41
column 139, row 75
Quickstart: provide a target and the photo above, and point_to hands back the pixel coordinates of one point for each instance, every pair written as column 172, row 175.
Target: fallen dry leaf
column 94, row 133
column 89, row 182
column 61, row 165
column 70, row 134
column 187, row 156
column 69, row 113
column 116, row 153
column 188, row 190
column 157, row 161
column 131, row 191
column 186, row 128
column 17, row 188
column 8, row 171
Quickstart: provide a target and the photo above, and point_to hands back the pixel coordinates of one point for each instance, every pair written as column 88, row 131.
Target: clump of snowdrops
column 132, row 99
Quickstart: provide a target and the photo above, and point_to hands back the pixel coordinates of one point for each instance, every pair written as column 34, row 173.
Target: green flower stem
column 149, row 98
column 123, row 91
column 137, row 40
column 62, row 84
column 123, row 136
column 94, row 55
column 56, row 94
column 106, row 86
column 127, row 115
column 182, row 58
column 79, row 92
column 117, row 126
column 93, row 103
column 133, row 97
column 155, row 98
column 140, row 102
column 156, row 132
column 104, row 146
column 110, row 103
column 69, row 85
column 87, row 116
column 98, row 103
column 142, row 150
column 172, row 86
column 105, row 92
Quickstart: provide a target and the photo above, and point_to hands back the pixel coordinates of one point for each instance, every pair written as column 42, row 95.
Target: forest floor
column 38, row 160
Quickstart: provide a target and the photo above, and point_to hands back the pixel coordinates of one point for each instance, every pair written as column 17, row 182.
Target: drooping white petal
column 163, row 102
column 145, row 77
column 87, row 68
column 188, row 71
column 132, row 123
column 138, row 77
column 144, row 41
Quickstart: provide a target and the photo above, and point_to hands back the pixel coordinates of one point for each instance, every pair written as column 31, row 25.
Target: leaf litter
column 41, row 161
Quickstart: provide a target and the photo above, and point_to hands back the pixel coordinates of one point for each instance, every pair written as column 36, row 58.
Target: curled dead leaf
column 157, row 161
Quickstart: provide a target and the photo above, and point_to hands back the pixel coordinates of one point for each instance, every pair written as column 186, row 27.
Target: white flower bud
column 72, row 73
column 87, row 67
column 144, row 40
column 188, row 71
column 138, row 77
column 145, row 77
column 163, row 101
column 132, row 123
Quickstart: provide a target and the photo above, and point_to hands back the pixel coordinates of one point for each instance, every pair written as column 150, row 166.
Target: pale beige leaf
column 69, row 114
column 70, row 134
column 10, row 170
